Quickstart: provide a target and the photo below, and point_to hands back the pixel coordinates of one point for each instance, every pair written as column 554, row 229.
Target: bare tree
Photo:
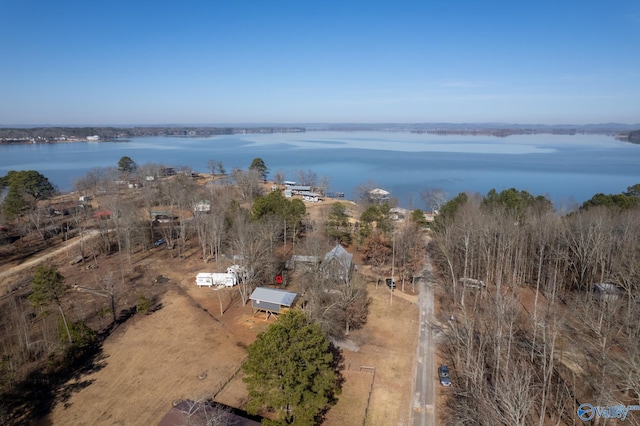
column 377, row 252
column 250, row 242
column 354, row 301
column 308, row 178
column 409, row 251
column 182, row 195
column 204, row 412
column 247, row 183
column 434, row 198
column 278, row 177
column 515, row 396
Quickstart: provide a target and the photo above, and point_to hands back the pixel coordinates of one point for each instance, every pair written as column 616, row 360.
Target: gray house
column 338, row 263
column 271, row 300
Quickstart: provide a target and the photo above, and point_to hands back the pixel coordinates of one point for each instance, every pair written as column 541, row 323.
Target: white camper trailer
column 234, row 274
column 209, row 279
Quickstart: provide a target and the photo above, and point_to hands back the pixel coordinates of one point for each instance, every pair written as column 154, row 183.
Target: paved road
column 423, row 412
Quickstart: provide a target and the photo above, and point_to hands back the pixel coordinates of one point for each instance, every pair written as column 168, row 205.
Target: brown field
column 187, row 350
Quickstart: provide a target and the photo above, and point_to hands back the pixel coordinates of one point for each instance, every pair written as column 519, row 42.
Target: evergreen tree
column 127, row 165
column 48, row 287
column 26, row 188
column 417, row 216
column 290, row 369
column 258, row 165
column 337, row 225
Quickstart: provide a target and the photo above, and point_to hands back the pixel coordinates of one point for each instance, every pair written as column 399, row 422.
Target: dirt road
column 47, row 255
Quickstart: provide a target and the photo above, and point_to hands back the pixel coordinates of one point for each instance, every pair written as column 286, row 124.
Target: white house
column 378, row 195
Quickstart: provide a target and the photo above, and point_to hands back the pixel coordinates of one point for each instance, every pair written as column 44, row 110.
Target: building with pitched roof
column 338, row 263
column 271, row 300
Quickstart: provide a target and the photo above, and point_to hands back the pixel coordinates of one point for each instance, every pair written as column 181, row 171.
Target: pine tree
column 290, row 368
column 49, row 286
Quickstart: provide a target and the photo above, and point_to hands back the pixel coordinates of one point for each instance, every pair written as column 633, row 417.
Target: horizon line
column 320, row 123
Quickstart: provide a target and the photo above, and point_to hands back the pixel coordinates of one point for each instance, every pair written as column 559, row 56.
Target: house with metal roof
column 338, row 263
column 299, row 260
column 296, row 189
column 271, row 300
column 378, row 195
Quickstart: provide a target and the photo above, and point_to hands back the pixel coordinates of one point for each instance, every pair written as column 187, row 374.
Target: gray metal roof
column 272, row 295
column 341, row 255
column 298, row 187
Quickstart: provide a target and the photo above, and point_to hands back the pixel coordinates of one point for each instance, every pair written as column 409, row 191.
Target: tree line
column 544, row 312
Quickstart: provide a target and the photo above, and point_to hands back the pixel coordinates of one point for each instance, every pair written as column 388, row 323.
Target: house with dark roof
column 271, row 300
column 338, row 263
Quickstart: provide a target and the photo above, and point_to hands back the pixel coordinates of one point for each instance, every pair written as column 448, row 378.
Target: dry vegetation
column 541, row 334
column 519, row 318
column 191, row 341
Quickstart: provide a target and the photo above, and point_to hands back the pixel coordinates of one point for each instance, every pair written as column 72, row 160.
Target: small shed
column 271, row 300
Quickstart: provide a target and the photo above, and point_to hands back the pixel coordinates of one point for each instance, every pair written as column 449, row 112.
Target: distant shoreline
column 50, row 135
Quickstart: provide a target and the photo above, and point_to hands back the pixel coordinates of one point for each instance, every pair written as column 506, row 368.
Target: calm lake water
column 567, row 169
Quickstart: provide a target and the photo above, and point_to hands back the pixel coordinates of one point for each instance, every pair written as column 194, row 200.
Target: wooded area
column 543, row 305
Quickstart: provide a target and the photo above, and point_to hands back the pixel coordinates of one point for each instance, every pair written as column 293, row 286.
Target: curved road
column 48, row 254
column 423, row 412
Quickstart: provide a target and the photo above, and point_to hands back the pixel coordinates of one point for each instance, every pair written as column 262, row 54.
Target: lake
column 566, row 168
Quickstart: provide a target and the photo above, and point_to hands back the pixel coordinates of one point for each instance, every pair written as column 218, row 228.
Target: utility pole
column 393, row 268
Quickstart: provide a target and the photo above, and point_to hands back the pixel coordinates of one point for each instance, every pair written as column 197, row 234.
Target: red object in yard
column 278, row 279
column 104, row 214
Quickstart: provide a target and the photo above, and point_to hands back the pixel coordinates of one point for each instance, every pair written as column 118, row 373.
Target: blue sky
column 308, row 61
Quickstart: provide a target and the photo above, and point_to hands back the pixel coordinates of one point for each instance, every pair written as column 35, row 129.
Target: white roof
column 378, row 191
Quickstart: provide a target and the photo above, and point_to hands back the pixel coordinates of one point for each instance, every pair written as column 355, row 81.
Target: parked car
column 159, row 242
column 390, row 283
column 443, row 374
